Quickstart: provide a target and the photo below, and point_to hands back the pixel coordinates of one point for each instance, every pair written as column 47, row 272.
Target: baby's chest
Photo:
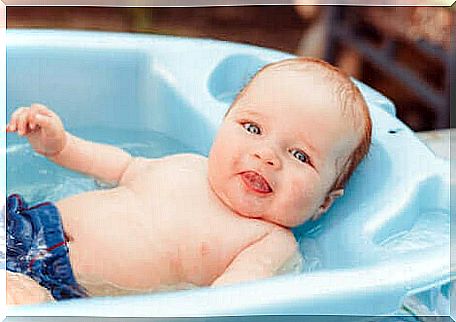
column 206, row 247
column 183, row 215
column 172, row 187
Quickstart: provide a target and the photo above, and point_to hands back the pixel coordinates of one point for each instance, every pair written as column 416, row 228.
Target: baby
column 286, row 148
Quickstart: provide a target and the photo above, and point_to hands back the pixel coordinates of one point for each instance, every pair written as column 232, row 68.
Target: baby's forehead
column 309, row 77
column 337, row 89
column 338, row 86
column 305, row 83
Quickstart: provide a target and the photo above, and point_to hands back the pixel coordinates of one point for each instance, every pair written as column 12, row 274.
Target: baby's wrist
column 55, row 154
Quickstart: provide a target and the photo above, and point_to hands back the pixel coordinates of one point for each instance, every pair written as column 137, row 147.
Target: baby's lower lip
column 255, row 182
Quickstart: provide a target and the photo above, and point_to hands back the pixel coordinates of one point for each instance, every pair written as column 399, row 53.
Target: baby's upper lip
column 256, row 181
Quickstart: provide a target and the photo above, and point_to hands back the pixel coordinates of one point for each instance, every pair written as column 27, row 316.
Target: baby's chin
column 248, row 206
column 233, row 201
column 221, row 196
column 246, row 209
column 262, row 211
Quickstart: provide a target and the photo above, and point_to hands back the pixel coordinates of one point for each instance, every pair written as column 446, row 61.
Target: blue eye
column 301, row 156
column 252, row 128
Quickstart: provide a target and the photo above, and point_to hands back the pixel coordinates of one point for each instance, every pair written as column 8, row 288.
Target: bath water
column 38, row 179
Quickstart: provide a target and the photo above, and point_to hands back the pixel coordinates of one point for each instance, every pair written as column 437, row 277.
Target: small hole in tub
column 394, row 131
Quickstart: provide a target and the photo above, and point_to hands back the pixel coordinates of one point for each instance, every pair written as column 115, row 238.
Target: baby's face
column 275, row 154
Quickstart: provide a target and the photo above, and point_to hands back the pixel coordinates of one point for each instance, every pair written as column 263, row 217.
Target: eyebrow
column 251, row 113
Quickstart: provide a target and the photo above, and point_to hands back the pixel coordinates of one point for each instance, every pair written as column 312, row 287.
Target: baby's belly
column 114, row 244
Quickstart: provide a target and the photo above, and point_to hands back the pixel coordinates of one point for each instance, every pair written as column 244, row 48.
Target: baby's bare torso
column 162, row 226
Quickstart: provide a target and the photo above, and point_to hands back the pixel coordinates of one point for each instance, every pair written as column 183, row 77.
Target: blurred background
column 407, row 53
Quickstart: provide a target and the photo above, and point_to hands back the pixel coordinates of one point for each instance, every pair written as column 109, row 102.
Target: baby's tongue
column 256, row 182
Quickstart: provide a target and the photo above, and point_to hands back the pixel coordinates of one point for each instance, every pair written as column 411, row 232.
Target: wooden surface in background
column 277, row 27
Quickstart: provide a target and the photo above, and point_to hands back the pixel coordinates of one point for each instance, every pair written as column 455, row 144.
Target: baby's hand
column 42, row 127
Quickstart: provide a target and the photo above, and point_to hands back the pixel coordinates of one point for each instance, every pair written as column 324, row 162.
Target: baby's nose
column 267, row 156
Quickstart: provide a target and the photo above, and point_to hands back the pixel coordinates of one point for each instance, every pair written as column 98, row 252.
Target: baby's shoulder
column 184, row 161
column 269, row 230
column 141, row 162
column 140, row 166
column 187, row 157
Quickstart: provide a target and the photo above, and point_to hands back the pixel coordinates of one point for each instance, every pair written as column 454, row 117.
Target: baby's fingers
column 12, row 126
column 22, row 122
column 47, row 124
column 9, row 128
column 43, row 121
column 34, row 112
column 19, row 120
column 38, row 109
column 41, row 109
column 31, row 119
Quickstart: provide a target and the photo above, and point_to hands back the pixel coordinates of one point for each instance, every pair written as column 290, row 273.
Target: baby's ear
column 333, row 195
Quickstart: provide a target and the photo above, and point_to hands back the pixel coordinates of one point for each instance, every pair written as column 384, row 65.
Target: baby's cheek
column 301, row 188
column 292, row 199
column 303, row 195
column 295, row 194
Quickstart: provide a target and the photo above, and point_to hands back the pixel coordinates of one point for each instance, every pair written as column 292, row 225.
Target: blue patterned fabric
column 36, row 247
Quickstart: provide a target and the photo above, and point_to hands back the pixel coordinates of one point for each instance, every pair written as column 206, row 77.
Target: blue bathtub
column 388, row 238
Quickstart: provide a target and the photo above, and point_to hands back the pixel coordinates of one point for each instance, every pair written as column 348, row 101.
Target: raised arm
column 104, row 162
column 45, row 132
column 261, row 259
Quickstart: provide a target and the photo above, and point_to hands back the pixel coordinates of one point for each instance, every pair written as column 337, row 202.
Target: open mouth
column 256, row 182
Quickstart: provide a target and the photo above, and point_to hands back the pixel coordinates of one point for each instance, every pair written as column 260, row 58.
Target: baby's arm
column 104, row 162
column 45, row 132
column 261, row 259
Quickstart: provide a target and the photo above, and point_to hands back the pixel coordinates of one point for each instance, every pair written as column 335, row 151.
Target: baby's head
column 289, row 142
